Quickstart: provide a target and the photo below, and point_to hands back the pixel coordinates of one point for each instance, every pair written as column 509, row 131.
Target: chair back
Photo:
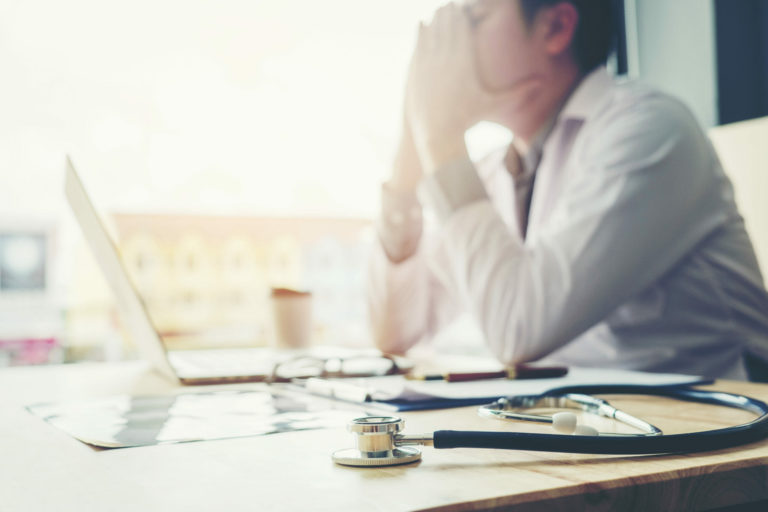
column 743, row 151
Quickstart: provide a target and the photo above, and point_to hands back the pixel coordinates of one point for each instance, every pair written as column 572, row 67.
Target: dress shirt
column 635, row 255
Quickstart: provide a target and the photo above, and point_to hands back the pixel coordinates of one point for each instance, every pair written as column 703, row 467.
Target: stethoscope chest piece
column 376, row 444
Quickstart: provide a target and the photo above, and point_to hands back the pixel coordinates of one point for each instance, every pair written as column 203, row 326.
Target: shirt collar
column 579, row 105
column 587, row 95
column 528, row 162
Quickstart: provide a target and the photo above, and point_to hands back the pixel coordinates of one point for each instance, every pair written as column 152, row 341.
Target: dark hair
column 595, row 34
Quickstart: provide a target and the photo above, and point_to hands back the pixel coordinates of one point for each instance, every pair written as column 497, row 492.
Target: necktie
column 523, row 172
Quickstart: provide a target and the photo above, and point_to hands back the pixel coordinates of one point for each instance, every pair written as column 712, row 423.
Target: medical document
column 126, row 421
column 404, row 394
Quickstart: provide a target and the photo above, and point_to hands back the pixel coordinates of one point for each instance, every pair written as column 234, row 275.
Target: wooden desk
column 44, row 469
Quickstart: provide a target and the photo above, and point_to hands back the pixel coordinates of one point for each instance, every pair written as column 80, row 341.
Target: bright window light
column 234, row 106
column 250, row 109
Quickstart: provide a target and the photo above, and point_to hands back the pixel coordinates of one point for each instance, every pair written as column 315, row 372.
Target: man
column 605, row 235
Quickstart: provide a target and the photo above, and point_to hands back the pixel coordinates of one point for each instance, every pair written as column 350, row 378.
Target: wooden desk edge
column 691, row 489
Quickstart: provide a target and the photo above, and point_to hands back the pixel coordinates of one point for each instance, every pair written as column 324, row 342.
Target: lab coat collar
column 588, row 94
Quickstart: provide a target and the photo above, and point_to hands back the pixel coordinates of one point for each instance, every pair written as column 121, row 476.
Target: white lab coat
column 635, row 256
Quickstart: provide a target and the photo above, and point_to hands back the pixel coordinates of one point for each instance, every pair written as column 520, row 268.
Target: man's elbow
column 389, row 339
column 516, row 343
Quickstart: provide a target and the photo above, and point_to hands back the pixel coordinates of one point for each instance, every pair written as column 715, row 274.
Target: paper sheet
column 398, row 388
column 125, row 421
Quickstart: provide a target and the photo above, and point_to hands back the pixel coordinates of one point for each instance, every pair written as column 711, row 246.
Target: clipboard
column 396, row 393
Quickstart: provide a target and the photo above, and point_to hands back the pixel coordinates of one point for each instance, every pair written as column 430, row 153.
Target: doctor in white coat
column 605, row 235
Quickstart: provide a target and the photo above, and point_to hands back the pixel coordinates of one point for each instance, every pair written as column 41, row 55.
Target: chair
column 743, row 151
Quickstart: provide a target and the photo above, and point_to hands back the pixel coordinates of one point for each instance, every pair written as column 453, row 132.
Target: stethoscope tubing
column 625, row 445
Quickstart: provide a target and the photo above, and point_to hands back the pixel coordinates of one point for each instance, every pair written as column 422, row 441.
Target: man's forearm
column 399, row 301
column 406, row 169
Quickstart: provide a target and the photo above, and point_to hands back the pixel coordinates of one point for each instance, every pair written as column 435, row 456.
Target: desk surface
column 44, row 469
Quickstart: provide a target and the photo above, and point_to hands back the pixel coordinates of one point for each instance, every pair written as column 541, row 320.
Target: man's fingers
column 462, row 26
column 453, row 37
column 421, row 44
column 464, row 44
column 421, row 39
column 441, row 26
column 414, row 65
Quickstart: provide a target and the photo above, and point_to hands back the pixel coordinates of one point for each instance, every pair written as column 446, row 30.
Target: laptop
column 192, row 367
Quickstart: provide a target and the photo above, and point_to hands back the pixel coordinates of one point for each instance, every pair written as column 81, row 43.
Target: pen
column 337, row 389
column 521, row 371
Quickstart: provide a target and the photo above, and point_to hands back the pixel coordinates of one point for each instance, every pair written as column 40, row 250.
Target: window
column 243, row 108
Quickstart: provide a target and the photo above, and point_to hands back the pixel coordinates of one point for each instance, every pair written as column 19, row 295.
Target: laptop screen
column 130, row 304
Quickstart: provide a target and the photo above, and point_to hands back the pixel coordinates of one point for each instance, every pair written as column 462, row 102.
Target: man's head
column 594, row 37
column 517, row 38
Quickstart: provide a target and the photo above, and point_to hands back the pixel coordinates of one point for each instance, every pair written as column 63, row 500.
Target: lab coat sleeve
column 641, row 200
column 406, row 304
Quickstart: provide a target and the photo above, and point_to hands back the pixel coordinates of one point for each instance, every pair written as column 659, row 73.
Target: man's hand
column 440, row 92
column 444, row 96
column 407, row 171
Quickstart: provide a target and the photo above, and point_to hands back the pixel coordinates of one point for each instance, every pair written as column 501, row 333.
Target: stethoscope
column 381, row 443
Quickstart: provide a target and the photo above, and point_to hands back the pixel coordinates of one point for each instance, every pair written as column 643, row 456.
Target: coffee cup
column 292, row 317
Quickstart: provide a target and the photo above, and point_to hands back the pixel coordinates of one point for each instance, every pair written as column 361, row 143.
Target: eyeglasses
column 304, row 367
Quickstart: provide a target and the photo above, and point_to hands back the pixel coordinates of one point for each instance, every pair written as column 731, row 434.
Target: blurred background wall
column 272, row 123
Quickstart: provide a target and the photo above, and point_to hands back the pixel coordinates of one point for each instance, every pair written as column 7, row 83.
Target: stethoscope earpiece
column 564, row 422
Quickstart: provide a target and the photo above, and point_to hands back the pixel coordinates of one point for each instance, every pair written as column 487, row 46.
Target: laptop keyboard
column 250, row 361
